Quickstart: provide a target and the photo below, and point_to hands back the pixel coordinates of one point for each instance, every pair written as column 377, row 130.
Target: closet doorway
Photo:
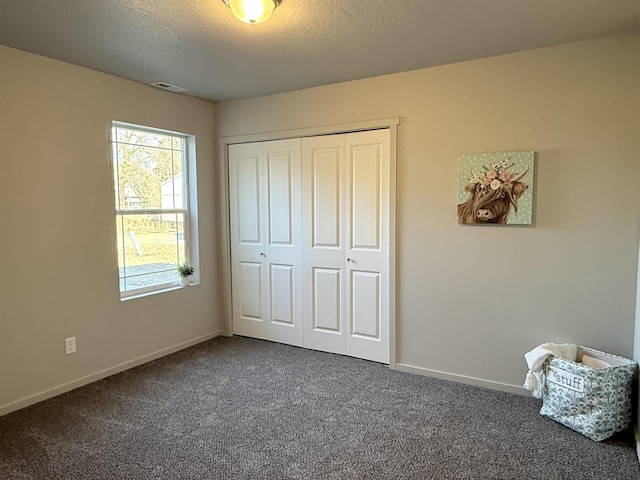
column 311, row 241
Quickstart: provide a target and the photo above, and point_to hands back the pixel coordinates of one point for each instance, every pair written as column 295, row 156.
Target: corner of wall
column 636, row 357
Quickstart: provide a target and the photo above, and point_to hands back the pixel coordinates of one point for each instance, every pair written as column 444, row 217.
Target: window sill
column 156, row 292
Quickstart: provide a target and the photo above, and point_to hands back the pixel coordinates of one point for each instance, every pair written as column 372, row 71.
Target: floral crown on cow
column 494, row 177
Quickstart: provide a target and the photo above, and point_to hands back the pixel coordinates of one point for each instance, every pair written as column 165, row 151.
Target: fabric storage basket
column 595, row 403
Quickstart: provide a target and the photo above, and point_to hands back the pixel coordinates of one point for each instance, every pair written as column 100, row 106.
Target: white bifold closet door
column 264, row 187
column 310, row 242
column 345, row 238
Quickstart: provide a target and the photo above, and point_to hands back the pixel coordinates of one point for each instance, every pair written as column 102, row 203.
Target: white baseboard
column 454, row 377
column 107, row 372
column 637, row 432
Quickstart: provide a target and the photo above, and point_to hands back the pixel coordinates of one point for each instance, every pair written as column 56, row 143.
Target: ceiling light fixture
column 252, row 11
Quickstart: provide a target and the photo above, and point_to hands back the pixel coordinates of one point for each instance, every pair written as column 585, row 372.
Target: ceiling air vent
column 169, row 87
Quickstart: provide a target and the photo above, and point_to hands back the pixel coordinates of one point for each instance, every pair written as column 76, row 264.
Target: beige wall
column 472, row 300
column 57, row 258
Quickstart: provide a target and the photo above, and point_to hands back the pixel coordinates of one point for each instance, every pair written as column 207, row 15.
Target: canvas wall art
column 496, row 188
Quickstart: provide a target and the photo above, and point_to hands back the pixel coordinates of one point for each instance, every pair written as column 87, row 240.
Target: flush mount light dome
column 252, row 11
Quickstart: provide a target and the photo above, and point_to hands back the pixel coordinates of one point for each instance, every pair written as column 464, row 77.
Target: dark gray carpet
column 241, row 408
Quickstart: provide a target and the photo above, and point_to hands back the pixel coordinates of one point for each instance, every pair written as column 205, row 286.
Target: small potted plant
column 185, row 271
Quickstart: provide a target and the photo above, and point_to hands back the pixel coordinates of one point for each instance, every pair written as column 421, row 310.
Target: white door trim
column 225, row 230
column 391, row 122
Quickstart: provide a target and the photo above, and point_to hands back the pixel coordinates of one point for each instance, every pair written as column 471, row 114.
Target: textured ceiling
column 200, row 46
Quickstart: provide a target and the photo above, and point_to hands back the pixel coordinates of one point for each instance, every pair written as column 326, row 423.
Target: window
column 153, row 227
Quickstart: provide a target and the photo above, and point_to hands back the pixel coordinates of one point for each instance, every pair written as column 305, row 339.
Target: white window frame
column 189, row 210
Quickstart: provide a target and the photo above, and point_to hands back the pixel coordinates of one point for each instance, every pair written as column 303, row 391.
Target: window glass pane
column 178, row 143
column 146, row 170
column 142, row 138
column 172, row 195
column 140, row 174
column 149, row 247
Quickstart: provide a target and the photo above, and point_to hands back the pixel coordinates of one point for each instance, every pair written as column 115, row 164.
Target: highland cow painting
column 496, row 188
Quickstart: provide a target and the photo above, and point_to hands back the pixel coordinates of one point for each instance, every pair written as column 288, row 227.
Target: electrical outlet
column 70, row 345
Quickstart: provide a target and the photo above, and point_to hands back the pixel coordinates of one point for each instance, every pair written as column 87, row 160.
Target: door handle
column 350, row 260
column 262, row 254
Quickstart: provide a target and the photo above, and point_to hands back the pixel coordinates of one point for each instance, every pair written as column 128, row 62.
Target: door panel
column 264, row 191
column 279, row 205
column 251, row 279
column 326, row 301
column 247, row 196
column 283, row 251
column 365, row 196
column 365, row 305
column 282, row 294
column 322, row 243
column 367, row 263
column 325, row 197
column 250, row 302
